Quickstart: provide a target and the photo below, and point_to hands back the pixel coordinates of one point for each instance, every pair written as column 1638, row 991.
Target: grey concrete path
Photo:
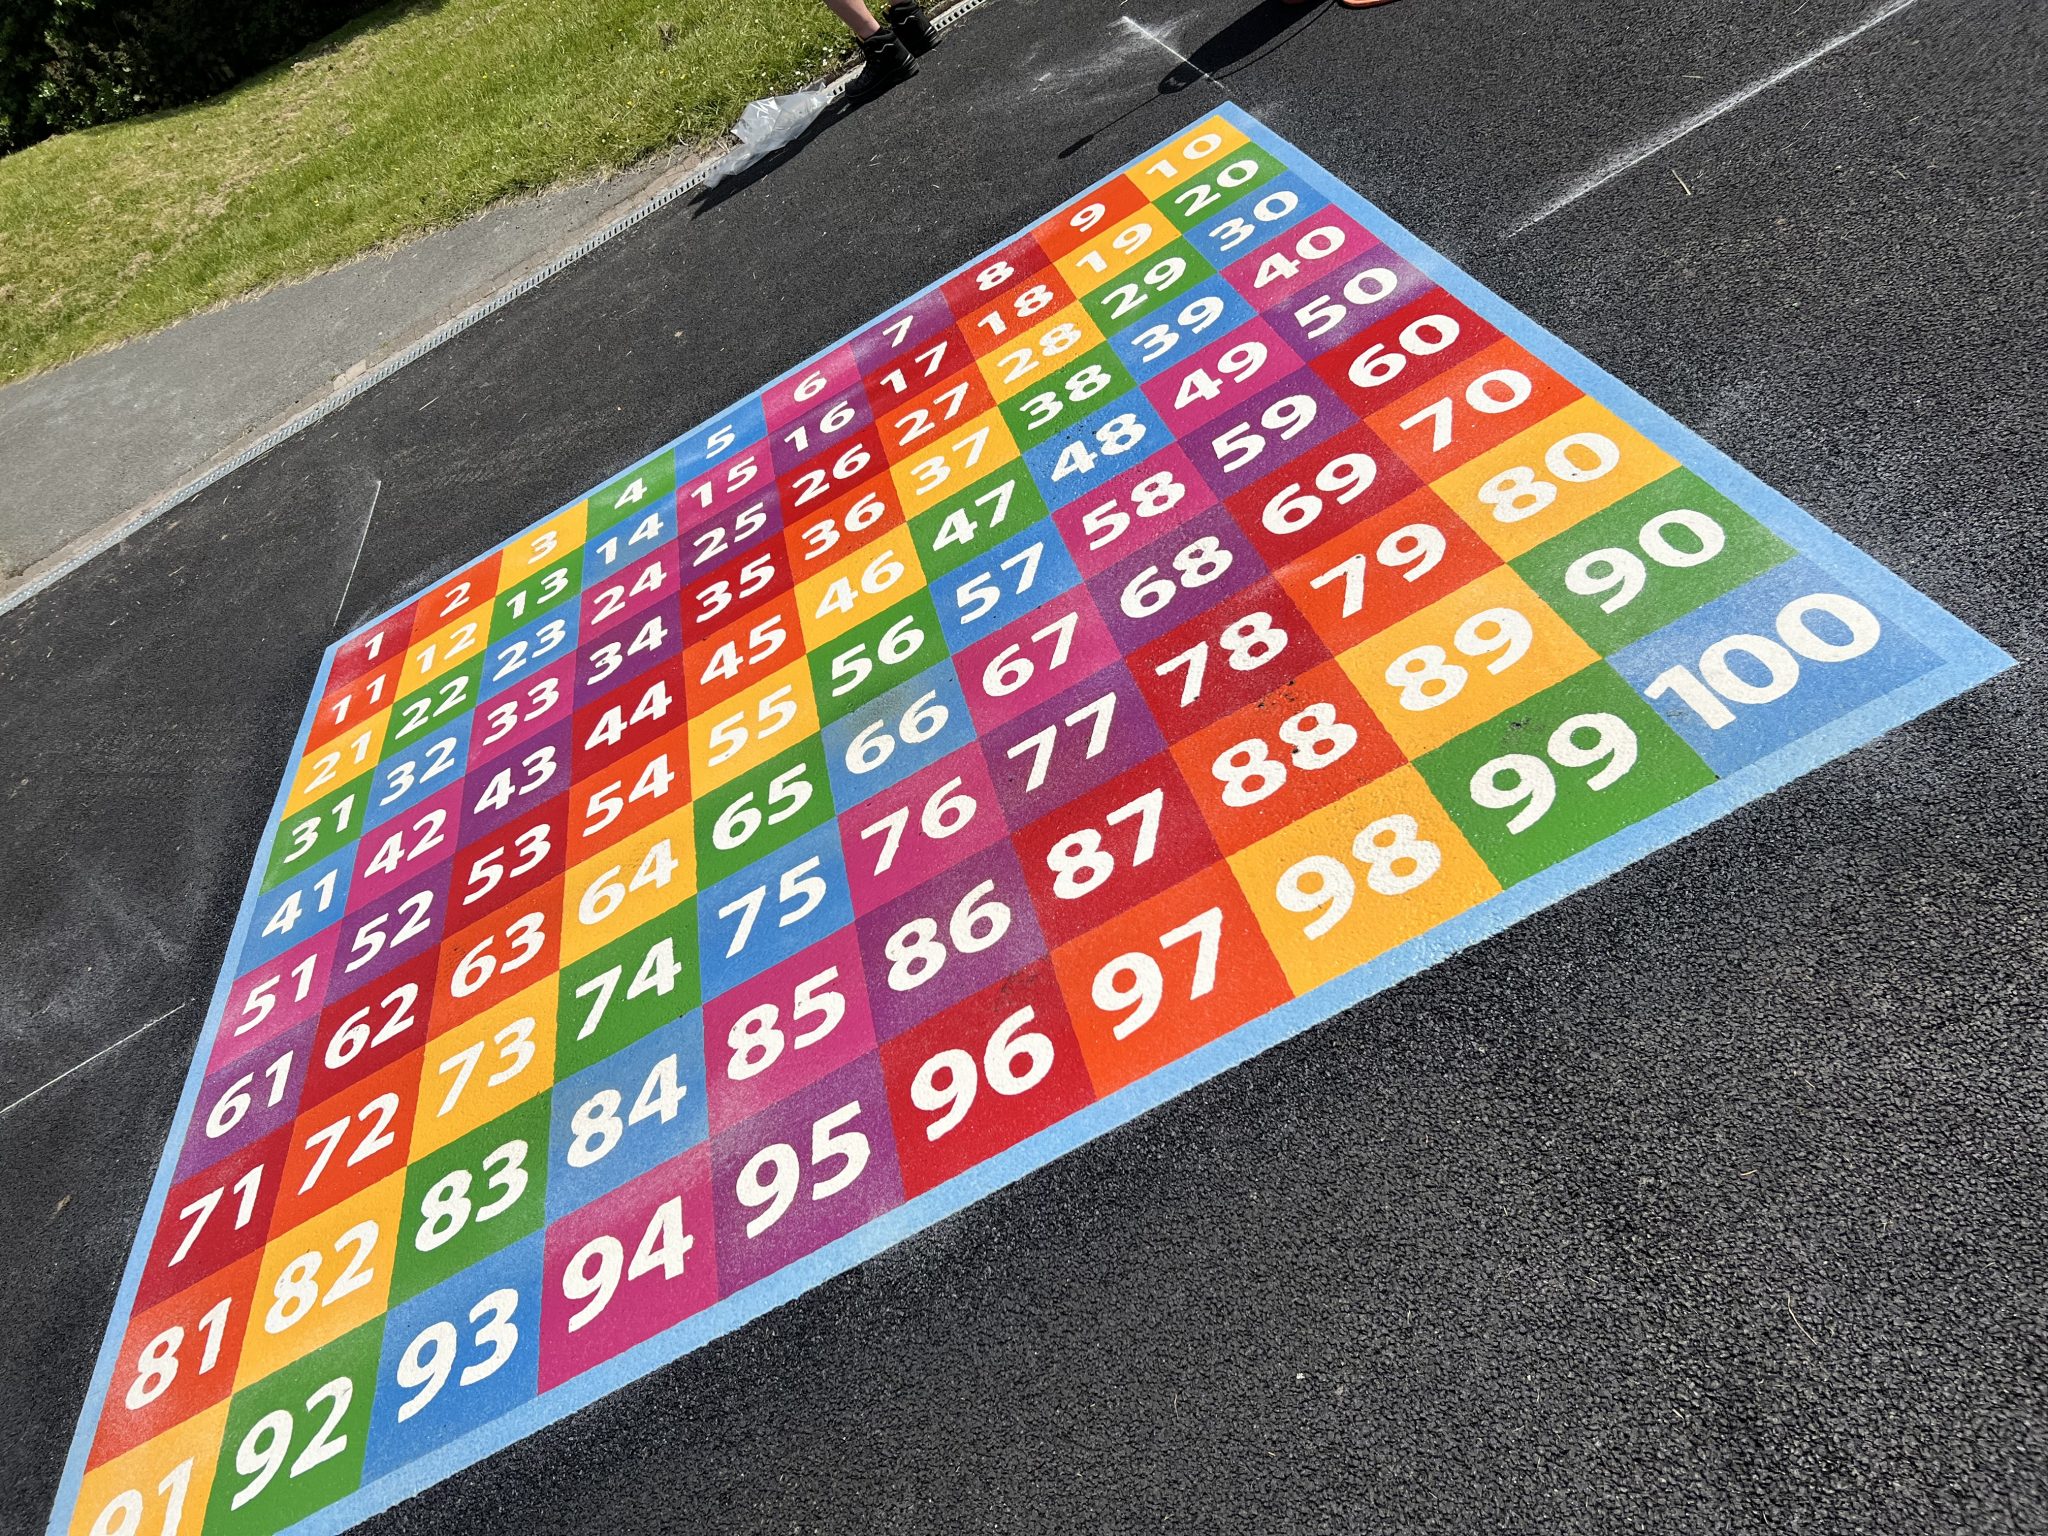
column 89, row 446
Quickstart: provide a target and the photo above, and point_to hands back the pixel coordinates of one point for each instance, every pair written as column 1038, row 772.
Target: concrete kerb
column 685, row 178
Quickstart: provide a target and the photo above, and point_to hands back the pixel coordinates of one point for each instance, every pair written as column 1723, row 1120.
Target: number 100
column 1717, row 680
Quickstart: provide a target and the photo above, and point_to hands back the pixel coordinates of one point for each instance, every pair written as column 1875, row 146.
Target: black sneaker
column 907, row 19
column 888, row 63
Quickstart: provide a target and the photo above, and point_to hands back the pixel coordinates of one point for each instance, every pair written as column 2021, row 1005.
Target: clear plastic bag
column 764, row 127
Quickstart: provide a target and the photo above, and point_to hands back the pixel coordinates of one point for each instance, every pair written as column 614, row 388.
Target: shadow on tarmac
column 709, row 198
column 1245, row 41
column 1263, row 30
column 1260, row 32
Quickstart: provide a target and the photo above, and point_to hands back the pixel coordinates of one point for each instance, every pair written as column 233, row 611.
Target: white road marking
column 95, row 1056
column 1630, row 158
column 1159, row 42
column 365, row 539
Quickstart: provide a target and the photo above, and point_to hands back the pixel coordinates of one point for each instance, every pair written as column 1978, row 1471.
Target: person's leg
column 859, row 20
column 906, row 18
column 888, row 61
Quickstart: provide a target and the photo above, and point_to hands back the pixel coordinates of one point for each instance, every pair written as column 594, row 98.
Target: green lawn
column 406, row 121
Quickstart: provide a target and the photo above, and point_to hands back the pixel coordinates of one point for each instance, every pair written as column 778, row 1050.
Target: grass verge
column 409, row 120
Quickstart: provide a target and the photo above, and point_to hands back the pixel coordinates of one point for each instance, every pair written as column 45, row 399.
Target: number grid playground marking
column 1181, row 622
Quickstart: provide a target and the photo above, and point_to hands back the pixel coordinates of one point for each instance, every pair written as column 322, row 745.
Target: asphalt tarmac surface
column 1708, row 1200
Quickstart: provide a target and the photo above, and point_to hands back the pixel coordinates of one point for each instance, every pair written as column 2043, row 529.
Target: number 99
column 1521, row 779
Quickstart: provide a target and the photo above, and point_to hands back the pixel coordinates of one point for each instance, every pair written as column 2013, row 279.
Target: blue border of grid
column 1968, row 659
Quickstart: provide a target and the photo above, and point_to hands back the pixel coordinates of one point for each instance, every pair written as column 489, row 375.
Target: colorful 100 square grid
column 962, row 744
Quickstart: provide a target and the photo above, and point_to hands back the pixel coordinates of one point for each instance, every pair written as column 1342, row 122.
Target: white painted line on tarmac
column 1634, row 156
column 361, row 544
column 95, row 1056
column 1157, row 41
